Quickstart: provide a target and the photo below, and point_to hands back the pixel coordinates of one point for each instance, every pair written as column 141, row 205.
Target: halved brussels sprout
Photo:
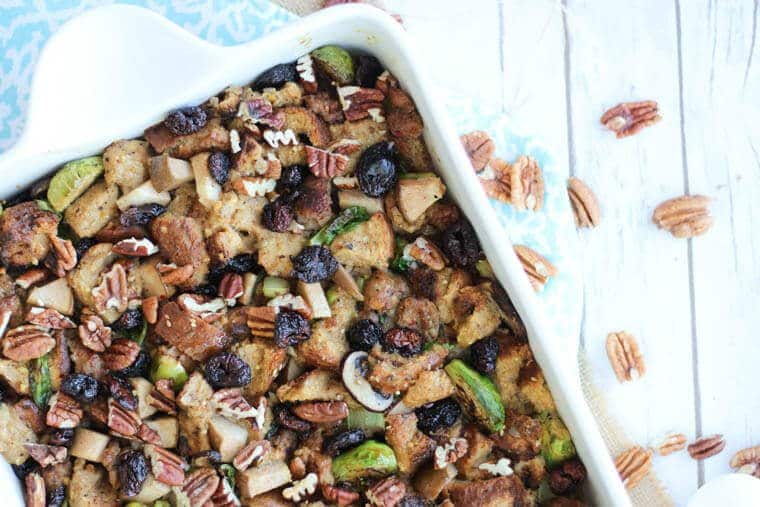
column 167, row 367
column 348, row 219
column 477, row 394
column 556, row 442
column 72, row 180
column 371, row 459
column 335, row 62
column 370, row 422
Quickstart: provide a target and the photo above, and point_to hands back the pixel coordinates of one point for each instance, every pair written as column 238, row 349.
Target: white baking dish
column 115, row 70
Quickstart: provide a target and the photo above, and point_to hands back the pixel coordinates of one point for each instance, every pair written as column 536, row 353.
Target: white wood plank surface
column 693, row 304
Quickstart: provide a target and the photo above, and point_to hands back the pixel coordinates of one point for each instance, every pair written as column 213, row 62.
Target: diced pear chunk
column 168, row 173
column 226, row 437
column 142, row 388
column 151, row 490
column 89, row 445
column 152, row 285
column 209, row 191
column 56, row 295
column 263, row 478
column 167, row 429
column 349, row 198
column 314, row 296
column 416, row 195
column 144, row 194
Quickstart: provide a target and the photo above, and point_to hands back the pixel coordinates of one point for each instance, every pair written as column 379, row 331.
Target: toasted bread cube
column 263, row 478
column 167, row 429
column 430, row 386
column 411, row 446
column 349, row 198
column 151, row 490
column 89, row 445
column 328, row 345
column 266, row 361
column 93, row 210
column 416, row 195
column 89, row 487
column 169, row 173
column 226, row 437
column 126, row 163
column 15, row 433
column 368, row 245
column 314, row 385
column 142, row 389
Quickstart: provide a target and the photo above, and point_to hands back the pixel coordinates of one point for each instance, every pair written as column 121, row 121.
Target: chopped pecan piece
column 625, row 356
column 450, row 452
column 426, row 252
column 148, row 434
column 261, row 320
column 359, row 103
column 251, row 454
column 670, row 443
column 64, row 412
column 167, row 467
column 171, row 274
column 150, row 309
column 133, row 247
column 746, row 456
column 162, row 396
column 301, row 489
column 31, row 277
column 28, row 411
column 339, row 496
column 538, row 269
column 35, row 490
column 231, row 403
column 633, row 464
column 122, row 421
column 200, row 485
column 684, row 217
column 231, row 288
column 325, row 164
column 95, row 335
column 403, row 120
column 46, row 455
column 706, row 447
column 628, row 118
column 306, row 75
column 225, row 496
column 27, row 342
column 113, row 291
column 48, row 317
column 584, row 202
column 387, row 493
column 496, row 179
column 324, row 106
column 62, row 257
column 322, row 411
column 120, row 354
column 479, row 147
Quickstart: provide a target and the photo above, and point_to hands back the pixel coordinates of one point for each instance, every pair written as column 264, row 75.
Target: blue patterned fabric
column 25, row 25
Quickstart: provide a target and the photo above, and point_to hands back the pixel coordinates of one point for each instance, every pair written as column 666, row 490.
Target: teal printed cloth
column 25, row 25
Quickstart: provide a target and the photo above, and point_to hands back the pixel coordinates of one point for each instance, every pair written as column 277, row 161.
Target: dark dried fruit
column 364, row 334
column 314, row 264
column 287, row 419
column 377, row 169
column 141, row 215
column 413, row 500
column 121, row 391
column 290, row 328
column 38, row 189
column 219, row 165
column 186, row 120
column 227, row 370
column 567, row 477
column 24, row 468
column 132, row 468
column 206, row 289
column 241, row 264
column 483, row 355
column 56, row 497
column 130, row 319
column 61, row 436
column 83, row 245
column 404, row 340
column 276, row 76
column 439, row 414
column 206, row 458
column 140, row 368
column 292, row 177
column 368, row 68
column 460, row 244
column 278, row 214
column 81, row 387
column 344, row 441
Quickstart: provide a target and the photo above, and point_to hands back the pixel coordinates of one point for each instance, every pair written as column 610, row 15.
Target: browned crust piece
column 24, row 231
column 211, row 137
column 181, row 242
column 189, row 333
column 498, row 492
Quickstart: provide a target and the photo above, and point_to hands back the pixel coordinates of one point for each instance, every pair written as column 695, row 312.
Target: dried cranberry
column 206, row 289
column 404, row 340
column 290, row 328
column 141, row 215
column 56, row 497
column 132, row 469
column 24, row 468
column 81, row 387
column 241, row 264
column 314, row 264
column 140, row 368
column 460, row 244
column 121, row 392
column 219, row 165
column 292, row 177
column 377, row 169
column 276, row 76
column 61, row 436
column 368, row 68
column 483, row 355
column 413, row 500
column 227, row 370
column 83, row 245
column 364, row 334
column 439, row 414
column 344, row 441
column 130, row 319
column 186, row 120
column 277, row 215
column 567, row 477
column 289, row 420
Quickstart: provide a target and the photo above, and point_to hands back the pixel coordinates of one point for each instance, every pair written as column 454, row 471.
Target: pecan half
column 496, row 180
column 46, row 455
column 64, row 411
column 28, row 411
column 322, row 411
column 225, row 496
column 148, row 434
column 537, row 267
column 669, row 444
column 150, row 309
column 171, row 274
column 325, row 164
column 584, row 203
column 133, row 247
column 231, row 403
column 120, row 354
column 161, row 397
column 339, row 496
column 113, row 291
column 684, row 217
column 62, row 257
column 95, row 335
column 167, row 467
column 261, row 320
column 359, row 103
column 479, row 147
column 628, row 118
column 706, row 447
column 426, row 252
column 27, row 342
column 625, row 357
column 31, row 277
column 527, row 184
column 748, row 456
column 35, row 490
column 122, row 421
column 231, row 288
column 306, row 75
column 454, row 449
column 251, row 454
column 47, row 317
column 386, row 493
column 633, row 464
column 200, row 485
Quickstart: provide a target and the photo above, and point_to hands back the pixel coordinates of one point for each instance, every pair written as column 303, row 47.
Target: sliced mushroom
column 354, row 372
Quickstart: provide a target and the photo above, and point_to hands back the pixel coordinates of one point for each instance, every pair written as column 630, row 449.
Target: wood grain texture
column 692, row 304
